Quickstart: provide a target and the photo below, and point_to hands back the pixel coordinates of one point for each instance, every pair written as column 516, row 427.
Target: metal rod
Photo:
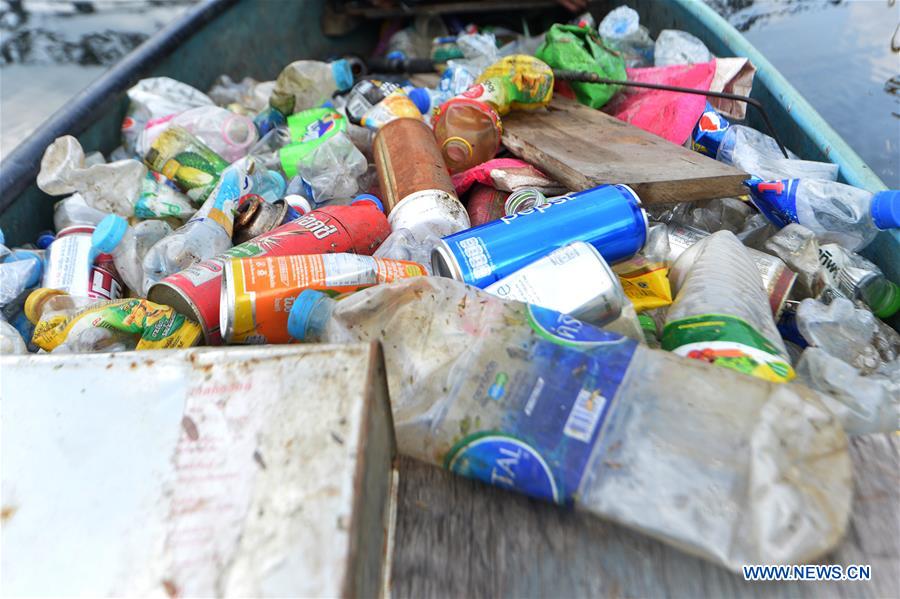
column 586, row 77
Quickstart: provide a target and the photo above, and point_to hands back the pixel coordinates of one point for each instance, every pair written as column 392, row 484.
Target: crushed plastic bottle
column 128, row 245
column 721, row 313
column 479, row 51
column 207, row 233
column 228, row 134
column 621, row 30
column 19, row 270
column 113, row 187
column 842, row 330
column 74, row 210
column 152, row 102
column 678, row 47
column 835, row 212
column 249, row 93
column 11, row 341
column 759, row 155
column 797, row 246
column 305, row 84
column 161, row 199
column 474, row 380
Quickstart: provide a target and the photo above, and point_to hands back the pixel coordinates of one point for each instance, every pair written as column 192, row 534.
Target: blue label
column 709, row 131
column 777, row 200
column 554, row 405
column 505, row 462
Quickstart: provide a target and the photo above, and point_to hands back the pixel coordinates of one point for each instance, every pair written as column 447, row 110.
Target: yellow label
column 647, row 290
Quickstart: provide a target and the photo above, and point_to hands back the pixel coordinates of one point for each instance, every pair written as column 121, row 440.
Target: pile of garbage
column 536, row 338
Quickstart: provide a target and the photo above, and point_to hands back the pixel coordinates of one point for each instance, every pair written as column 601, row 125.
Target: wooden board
column 459, row 538
column 582, row 148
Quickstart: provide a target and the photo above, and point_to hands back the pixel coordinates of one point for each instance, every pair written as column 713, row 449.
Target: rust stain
column 171, row 589
column 7, row 512
column 190, row 428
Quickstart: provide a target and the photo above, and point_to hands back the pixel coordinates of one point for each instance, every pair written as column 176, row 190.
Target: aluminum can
column 69, row 261
column 106, row 283
column 257, row 293
column 608, row 217
column 255, row 216
column 196, row 291
column 574, row 280
column 441, row 212
column 778, row 280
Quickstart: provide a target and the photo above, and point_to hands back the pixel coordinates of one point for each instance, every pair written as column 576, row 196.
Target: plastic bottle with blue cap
column 306, row 84
column 128, row 245
column 537, row 402
column 835, row 212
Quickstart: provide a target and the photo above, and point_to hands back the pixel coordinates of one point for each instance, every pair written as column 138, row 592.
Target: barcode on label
column 585, row 415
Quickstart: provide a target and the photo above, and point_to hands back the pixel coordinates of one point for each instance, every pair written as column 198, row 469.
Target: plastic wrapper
column 797, row 246
column 759, row 155
column 572, row 48
column 113, row 187
column 248, row 92
column 721, row 312
column 645, row 276
column 161, row 199
column 506, row 174
column 674, row 47
column 754, row 472
column 863, row 404
column 396, row 105
column 152, row 102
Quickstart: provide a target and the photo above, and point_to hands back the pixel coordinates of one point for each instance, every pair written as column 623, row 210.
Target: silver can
column 440, row 211
column 778, row 280
column 255, row 216
column 574, row 280
column 69, row 261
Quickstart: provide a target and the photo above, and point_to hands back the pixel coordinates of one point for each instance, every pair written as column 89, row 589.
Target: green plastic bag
column 580, row 49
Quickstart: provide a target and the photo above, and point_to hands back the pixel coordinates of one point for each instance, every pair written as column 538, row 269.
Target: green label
column 726, row 341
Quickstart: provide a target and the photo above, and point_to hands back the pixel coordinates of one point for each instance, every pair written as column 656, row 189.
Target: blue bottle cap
column 343, row 74
column 309, row 314
column 421, row 98
column 278, row 183
column 396, row 55
column 886, row 209
column 109, row 233
column 28, row 255
column 44, row 239
column 368, row 197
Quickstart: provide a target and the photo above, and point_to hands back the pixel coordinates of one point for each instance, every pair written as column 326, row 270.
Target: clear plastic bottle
column 306, row 84
column 841, row 329
column 11, row 341
column 74, row 210
column 207, row 233
column 534, row 401
column 678, row 47
column 721, row 312
column 19, row 270
column 621, row 30
column 128, row 245
column 759, row 155
column 228, row 134
column 835, row 212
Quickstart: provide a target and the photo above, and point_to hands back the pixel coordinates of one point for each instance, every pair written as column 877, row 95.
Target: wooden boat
column 248, row 37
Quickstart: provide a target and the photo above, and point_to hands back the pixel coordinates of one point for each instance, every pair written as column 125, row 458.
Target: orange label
column 259, row 292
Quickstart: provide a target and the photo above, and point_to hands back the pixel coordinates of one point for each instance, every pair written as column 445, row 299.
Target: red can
column 196, row 292
column 106, row 283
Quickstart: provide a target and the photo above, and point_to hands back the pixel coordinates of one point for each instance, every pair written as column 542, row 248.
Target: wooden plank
column 582, row 148
column 459, row 538
column 263, row 471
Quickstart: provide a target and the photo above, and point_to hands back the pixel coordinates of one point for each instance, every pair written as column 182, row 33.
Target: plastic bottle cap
column 457, row 149
column 109, row 233
column 303, row 313
column 343, row 74
column 889, row 304
column 368, row 197
column 28, row 256
column 35, row 302
column 44, row 239
column 278, row 182
column 421, row 98
column 298, row 203
column 396, row 55
column 886, row 209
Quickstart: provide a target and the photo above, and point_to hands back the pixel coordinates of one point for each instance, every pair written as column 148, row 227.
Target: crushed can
column 196, row 291
column 608, row 217
column 255, row 216
column 573, row 280
column 258, row 293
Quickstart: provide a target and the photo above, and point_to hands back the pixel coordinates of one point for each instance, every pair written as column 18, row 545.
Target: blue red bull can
column 608, row 217
column 709, row 131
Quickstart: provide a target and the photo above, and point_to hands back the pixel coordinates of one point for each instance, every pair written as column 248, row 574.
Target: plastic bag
column 674, row 47
column 570, row 47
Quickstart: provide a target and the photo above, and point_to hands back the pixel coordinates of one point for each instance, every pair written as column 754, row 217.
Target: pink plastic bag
column 670, row 115
column 506, row 174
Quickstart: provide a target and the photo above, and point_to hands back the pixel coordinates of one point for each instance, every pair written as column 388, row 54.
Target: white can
column 574, row 280
column 69, row 261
